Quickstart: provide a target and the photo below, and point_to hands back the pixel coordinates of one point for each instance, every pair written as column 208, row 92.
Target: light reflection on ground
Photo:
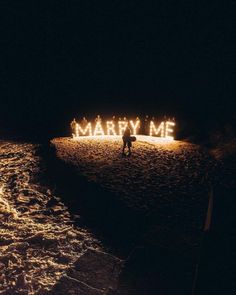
column 38, row 242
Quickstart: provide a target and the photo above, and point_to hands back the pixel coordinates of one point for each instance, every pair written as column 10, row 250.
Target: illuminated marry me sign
column 114, row 127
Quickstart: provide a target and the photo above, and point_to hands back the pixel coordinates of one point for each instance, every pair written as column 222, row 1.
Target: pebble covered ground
column 167, row 180
column 38, row 242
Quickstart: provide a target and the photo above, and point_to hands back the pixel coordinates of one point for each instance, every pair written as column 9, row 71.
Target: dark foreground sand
column 167, row 181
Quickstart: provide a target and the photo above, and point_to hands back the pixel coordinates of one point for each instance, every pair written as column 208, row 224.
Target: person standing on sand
column 127, row 140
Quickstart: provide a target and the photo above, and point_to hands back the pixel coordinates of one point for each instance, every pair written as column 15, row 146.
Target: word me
column 163, row 129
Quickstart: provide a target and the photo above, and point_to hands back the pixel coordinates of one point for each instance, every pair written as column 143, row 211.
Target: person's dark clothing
column 127, row 143
column 127, row 133
column 126, row 139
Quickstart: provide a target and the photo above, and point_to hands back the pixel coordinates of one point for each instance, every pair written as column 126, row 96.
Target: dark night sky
column 69, row 58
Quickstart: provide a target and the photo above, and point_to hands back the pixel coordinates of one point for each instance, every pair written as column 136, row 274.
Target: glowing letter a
column 98, row 129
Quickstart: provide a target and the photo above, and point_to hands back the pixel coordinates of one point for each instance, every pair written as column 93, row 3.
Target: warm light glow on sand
column 155, row 139
column 141, row 138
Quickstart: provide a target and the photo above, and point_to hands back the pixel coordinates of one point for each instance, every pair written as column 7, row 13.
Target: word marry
column 163, row 129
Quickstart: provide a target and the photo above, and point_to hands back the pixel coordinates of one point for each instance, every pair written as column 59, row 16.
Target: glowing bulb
column 111, row 128
column 135, row 126
column 156, row 131
column 98, row 129
column 122, row 126
column 83, row 131
column 164, row 129
column 169, row 130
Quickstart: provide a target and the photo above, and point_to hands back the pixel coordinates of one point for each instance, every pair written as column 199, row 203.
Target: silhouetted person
column 127, row 140
column 73, row 126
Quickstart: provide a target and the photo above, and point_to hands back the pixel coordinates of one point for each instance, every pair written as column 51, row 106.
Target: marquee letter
column 98, row 129
column 169, row 130
column 79, row 129
column 158, row 130
column 135, row 126
column 122, row 126
column 111, row 128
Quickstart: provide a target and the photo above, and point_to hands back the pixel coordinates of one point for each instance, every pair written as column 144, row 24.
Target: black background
column 65, row 59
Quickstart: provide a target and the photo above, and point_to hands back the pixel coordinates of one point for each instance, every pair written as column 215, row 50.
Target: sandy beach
column 39, row 244
column 167, row 179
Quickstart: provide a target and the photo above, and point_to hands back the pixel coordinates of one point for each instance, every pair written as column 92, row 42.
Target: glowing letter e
column 169, row 130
